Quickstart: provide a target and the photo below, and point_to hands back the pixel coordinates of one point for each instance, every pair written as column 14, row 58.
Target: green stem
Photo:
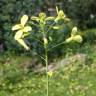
column 56, row 45
column 37, row 40
column 50, row 27
column 46, row 61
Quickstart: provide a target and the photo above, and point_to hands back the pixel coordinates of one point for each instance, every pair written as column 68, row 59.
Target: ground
column 75, row 79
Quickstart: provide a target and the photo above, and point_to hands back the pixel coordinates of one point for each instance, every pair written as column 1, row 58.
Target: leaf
column 24, row 20
column 50, row 38
column 16, row 27
column 27, row 28
column 56, row 27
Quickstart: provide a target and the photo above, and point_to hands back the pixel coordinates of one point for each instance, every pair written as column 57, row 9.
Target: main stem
column 46, row 61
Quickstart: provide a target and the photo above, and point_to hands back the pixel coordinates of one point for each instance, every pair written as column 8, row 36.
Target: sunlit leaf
column 56, row 27
column 50, row 38
column 24, row 20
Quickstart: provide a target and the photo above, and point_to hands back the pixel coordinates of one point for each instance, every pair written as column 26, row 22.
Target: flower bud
column 45, row 40
column 50, row 73
column 74, row 31
column 78, row 38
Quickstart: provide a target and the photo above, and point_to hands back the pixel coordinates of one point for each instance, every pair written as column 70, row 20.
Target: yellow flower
column 21, row 31
column 42, row 18
column 74, row 31
column 74, row 37
column 50, row 73
column 60, row 15
column 78, row 38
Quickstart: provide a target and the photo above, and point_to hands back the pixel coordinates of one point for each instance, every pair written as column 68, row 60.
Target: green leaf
column 56, row 27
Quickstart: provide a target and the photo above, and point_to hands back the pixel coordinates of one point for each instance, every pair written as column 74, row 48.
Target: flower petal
column 57, row 9
column 35, row 18
column 78, row 38
column 61, row 14
column 24, row 20
column 50, row 18
column 69, row 39
column 18, row 38
column 16, row 27
column 21, row 41
column 27, row 28
column 74, row 31
column 18, row 34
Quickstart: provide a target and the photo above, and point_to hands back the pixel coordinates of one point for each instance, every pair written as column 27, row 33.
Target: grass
column 73, row 80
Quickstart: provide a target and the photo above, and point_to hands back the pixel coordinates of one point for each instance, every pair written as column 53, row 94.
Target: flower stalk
column 22, row 30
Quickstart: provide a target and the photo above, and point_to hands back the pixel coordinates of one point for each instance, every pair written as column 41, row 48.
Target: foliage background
column 81, row 12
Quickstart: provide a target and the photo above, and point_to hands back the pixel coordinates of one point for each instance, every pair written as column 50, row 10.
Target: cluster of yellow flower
column 23, row 30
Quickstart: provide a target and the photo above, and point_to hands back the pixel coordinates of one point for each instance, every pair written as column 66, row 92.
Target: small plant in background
column 45, row 25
